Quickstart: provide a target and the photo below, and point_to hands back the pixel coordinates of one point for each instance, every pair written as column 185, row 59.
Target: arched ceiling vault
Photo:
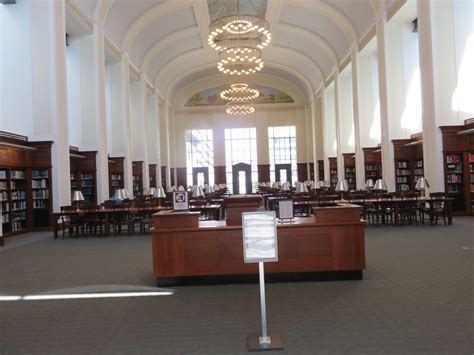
column 167, row 39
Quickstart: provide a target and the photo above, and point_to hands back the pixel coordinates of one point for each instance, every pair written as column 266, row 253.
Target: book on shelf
column 17, row 174
column 403, row 172
column 87, row 176
column 453, row 158
column 418, row 164
column 402, row 164
column 39, row 174
column 3, row 174
column 39, row 184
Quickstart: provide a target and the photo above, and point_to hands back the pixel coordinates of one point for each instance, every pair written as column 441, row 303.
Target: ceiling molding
column 313, row 37
column 272, row 16
column 101, row 11
column 151, row 16
column 159, row 46
column 318, row 70
column 341, row 21
column 394, row 7
column 299, row 76
column 77, row 11
column 367, row 37
column 376, row 6
column 201, row 13
column 219, row 80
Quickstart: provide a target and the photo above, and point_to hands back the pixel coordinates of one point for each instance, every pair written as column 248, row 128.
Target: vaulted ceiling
column 167, row 39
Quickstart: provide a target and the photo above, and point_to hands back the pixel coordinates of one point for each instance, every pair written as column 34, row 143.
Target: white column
column 167, row 155
column 315, row 148
column 325, row 139
column 60, row 151
column 359, row 154
column 337, row 109
column 126, row 105
column 432, row 140
column 388, row 167
column 158, row 138
column 101, row 119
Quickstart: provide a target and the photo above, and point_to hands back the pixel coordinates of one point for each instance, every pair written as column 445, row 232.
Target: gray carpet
column 416, row 298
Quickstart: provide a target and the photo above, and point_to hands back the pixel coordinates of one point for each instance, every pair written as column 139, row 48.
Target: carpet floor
column 417, row 297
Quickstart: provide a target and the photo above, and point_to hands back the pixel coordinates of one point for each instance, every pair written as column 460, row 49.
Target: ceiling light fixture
column 239, row 92
column 240, row 61
column 240, row 108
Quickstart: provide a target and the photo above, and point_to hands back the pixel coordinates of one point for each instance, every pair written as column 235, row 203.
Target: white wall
column 345, row 112
column 330, row 121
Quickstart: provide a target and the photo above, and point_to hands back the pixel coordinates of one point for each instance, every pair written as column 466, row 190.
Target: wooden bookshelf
column 350, row 170
column 458, row 151
column 116, row 174
column 152, row 174
column 163, row 177
column 84, row 173
column 25, row 172
column 372, row 163
column 333, row 171
column 408, row 158
column 137, row 172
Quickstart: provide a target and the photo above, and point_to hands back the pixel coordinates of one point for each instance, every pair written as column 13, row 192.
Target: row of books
column 39, row 184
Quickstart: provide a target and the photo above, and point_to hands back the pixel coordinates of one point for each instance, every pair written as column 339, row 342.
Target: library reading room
column 231, row 176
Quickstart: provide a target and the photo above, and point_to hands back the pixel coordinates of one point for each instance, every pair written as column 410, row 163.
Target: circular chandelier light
column 240, row 61
column 240, row 108
column 240, row 92
column 234, row 30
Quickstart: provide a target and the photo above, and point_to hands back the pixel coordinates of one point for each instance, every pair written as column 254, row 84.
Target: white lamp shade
column 422, row 184
column 145, row 191
column 380, row 185
column 197, row 191
column 315, row 185
column 369, row 184
column 151, row 191
column 171, row 189
column 125, row 193
column 119, row 194
column 340, row 186
column 308, row 183
column 216, row 187
column 160, row 193
column 77, row 196
column 209, row 189
column 301, row 188
column 181, row 188
column 346, row 184
column 285, row 186
column 327, row 183
column 274, row 185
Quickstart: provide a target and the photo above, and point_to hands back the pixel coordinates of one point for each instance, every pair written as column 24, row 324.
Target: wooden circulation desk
column 329, row 245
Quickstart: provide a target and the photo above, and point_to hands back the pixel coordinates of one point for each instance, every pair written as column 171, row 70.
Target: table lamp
column 197, row 191
column 285, row 186
column 216, row 187
column 118, row 195
column 380, row 185
column 301, row 188
column 151, row 191
column 369, row 184
column 159, row 193
column 315, row 185
column 77, row 197
column 171, row 188
column 341, row 187
column 181, row 188
column 421, row 185
column 209, row 189
column 146, row 191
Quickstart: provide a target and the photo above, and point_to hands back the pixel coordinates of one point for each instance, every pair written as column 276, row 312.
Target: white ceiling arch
column 185, row 61
column 331, row 12
column 209, row 82
column 276, row 70
column 151, row 16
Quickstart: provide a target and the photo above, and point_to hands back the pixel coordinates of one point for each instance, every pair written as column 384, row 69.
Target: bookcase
column 458, row 151
column 163, row 177
column 349, row 170
column 152, row 174
column 137, row 172
column 84, row 173
column 25, row 195
column 116, row 174
column 408, row 158
column 333, row 171
column 372, row 163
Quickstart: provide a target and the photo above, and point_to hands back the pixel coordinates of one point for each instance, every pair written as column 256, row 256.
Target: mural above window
column 211, row 97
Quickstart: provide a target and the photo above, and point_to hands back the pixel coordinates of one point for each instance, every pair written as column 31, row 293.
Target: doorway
column 241, row 179
column 283, row 173
column 201, row 176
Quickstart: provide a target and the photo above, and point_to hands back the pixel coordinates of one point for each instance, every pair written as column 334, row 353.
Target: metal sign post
column 260, row 245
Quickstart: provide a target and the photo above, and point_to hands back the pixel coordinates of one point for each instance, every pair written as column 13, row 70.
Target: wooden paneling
column 321, row 170
column 181, row 176
column 219, row 175
column 163, row 177
column 311, row 171
column 236, row 204
column 263, row 172
column 170, row 219
column 302, row 169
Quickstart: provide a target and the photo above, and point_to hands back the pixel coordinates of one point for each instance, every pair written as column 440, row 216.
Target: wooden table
column 212, row 252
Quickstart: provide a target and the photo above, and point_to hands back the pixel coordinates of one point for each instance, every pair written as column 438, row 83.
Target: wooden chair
column 434, row 209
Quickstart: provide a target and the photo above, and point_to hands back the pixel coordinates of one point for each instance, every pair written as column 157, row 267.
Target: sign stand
column 260, row 245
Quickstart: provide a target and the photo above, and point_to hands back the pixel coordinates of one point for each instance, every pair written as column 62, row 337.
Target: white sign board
column 260, row 237
column 180, row 201
column 285, row 209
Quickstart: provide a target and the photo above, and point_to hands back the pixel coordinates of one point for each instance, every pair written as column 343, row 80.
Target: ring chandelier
column 240, row 61
column 234, row 30
column 240, row 108
column 239, row 92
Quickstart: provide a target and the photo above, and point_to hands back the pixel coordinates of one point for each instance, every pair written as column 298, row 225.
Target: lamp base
column 253, row 343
